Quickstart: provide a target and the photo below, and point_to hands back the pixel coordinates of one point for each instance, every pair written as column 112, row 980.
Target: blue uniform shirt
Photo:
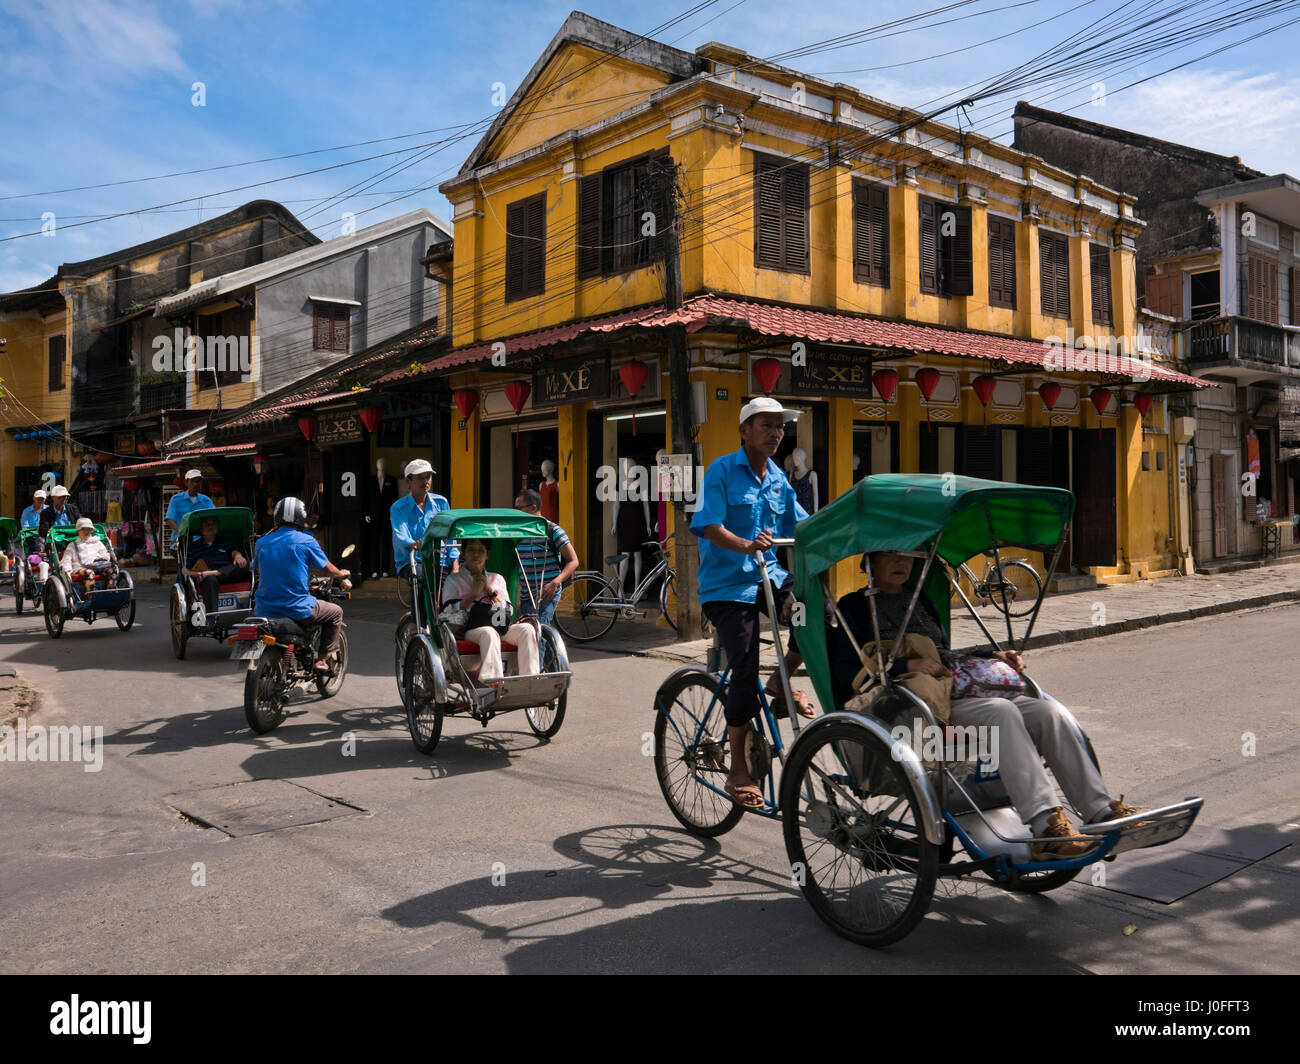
column 182, row 504
column 31, row 517
column 731, row 496
column 409, row 524
column 284, row 560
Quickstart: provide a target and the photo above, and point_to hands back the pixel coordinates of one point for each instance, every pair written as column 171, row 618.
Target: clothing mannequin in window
column 549, row 489
column 857, row 468
column 631, row 522
column 385, row 489
column 803, row 480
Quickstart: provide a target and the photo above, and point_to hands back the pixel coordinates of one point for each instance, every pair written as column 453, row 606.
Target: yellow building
column 832, row 247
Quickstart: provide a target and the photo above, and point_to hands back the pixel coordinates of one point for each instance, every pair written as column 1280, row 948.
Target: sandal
column 747, row 797
column 781, row 711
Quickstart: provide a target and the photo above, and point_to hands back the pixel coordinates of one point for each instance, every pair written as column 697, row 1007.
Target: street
column 503, row 853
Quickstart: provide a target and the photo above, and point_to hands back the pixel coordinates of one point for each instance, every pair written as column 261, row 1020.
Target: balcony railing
column 166, row 396
column 1216, row 341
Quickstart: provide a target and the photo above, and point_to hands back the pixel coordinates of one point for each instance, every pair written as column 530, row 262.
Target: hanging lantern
column 983, row 387
column 143, row 448
column 633, row 375
column 1142, row 400
column 307, row 426
column 261, row 464
column 370, row 416
column 517, row 393
column 104, row 458
column 886, row 383
column 178, row 482
column 927, row 379
column 466, row 400
column 131, row 484
column 1100, row 399
column 767, row 371
column 1049, row 392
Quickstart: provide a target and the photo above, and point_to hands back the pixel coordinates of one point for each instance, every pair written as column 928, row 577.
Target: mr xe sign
column 339, row 426
column 571, row 380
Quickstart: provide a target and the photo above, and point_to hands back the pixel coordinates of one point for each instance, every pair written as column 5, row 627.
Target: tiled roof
column 819, row 326
column 166, row 464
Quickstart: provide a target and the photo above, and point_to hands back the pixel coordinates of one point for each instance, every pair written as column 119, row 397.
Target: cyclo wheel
column 668, row 603
column 54, row 618
column 545, row 720
column 855, row 836
column 690, row 754
column 572, row 617
column 125, row 616
column 1020, row 600
column 424, row 712
column 179, row 625
column 264, row 692
column 329, row 684
column 20, row 590
column 401, row 640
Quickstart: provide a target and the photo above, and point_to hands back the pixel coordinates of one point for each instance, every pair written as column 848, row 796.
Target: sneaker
column 1117, row 810
column 1072, row 844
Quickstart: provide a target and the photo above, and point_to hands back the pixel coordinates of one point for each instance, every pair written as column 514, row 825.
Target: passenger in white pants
column 474, row 585
column 1028, row 729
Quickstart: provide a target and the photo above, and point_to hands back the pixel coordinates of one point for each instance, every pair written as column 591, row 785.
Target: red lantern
column 142, row 448
column 178, row 481
column 131, row 484
column 370, row 416
column 767, row 371
column 1143, row 402
column 466, row 400
column 633, row 375
column 1100, row 399
column 927, row 379
column 307, row 426
column 983, row 387
column 260, row 465
column 517, row 393
column 104, row 458
column 885, row 381
column 1049, row 392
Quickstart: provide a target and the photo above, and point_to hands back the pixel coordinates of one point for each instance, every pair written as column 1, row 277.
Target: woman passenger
column 475, row 586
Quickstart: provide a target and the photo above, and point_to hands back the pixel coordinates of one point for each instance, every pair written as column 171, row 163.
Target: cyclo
column 66, row 597
column 234, row 600
column 869, row 822
column 437, row 673
column 27, row 585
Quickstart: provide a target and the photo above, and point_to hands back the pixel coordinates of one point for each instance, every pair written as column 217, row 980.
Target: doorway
column 1093, row 531
column 629, row 447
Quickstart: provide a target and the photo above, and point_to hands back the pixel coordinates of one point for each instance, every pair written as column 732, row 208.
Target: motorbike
column 281, row 654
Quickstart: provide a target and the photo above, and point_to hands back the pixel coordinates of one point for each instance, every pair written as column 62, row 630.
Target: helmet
column 291, row 511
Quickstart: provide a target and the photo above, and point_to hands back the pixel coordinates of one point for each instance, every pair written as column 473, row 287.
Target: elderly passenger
column 87, row 554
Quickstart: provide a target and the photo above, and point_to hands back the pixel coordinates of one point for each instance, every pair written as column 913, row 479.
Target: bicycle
column 591, row 603
column 999, row 588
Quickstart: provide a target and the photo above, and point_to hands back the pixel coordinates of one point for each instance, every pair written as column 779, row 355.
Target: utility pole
column 680, row 411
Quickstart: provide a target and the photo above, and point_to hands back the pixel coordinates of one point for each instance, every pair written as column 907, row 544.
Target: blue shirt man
column 284, row 560
column 31, row 517
column 411, row 514
column 190, row 499
column 745, row 501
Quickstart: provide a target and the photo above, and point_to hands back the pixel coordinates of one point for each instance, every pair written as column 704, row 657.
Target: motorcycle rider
column 284, row 559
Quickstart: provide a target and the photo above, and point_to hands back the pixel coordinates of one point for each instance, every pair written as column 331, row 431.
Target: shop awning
column 163, row 466
column 283, row 409
column 828, row 327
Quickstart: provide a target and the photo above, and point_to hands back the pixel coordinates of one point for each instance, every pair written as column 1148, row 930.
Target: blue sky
column 99, row 91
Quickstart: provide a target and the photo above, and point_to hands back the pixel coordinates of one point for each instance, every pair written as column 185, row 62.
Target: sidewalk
column 1100, row 611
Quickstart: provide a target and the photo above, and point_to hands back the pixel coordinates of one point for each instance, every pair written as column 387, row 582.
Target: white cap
column 85, row 522
column 58, row 490
column 193, row 473
column 39, row 494
column 417, row 466
column 765, row 405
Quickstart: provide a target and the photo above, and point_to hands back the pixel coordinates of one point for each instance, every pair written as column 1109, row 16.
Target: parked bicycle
column 592, row 602
column 998, row 584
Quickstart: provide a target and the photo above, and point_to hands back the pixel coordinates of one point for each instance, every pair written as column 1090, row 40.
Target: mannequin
column 385, row 489
column 661, row 518
column 549, row 489
column 631, row 526
column 803, row 480
column 857, row 468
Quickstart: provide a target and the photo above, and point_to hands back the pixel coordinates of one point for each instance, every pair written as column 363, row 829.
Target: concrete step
column 1068, row 583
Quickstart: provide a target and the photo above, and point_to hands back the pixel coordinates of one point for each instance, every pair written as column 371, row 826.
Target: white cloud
column 99, row 38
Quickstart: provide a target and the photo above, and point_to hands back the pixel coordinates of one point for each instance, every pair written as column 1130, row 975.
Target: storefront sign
column 124, row 443
column 339, row 426
column 571, row 380
column 830, row 373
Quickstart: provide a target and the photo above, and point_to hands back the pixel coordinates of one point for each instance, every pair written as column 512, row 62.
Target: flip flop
column 781, row 711
column 745, row 797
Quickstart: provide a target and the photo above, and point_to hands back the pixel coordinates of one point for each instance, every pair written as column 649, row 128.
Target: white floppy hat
column 417, row 466
column 764, row 405
column 85, row 522
column 39, row 494
column 58, row 489
column 193, row 473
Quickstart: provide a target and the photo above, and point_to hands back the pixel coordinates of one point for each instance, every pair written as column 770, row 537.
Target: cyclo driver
column 284, row 559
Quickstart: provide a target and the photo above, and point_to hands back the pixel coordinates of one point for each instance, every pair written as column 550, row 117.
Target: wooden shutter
column 1002, row 263
column 341, row 330
column 929, row 245
column 516, row 217
column 870, row 233
column 1164, row 293
column 1099, row 275
column 981, row 452
column 767, row 212
column 1054, row 273
column 1261, row 289
column 780, row 214
column 589, row 226
column 321, row 329
column 535, row 247
column 1295, row 296
column 958, row 276
column 795, row 222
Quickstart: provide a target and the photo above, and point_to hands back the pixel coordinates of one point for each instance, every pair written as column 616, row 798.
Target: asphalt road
column 503, row 853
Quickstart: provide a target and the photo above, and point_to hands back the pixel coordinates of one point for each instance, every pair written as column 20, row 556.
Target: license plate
column 248, row 649
column 227, row 602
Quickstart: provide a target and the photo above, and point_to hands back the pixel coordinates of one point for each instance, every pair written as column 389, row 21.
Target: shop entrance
column 517, row 464
column 1093, row 530
column 627, row 458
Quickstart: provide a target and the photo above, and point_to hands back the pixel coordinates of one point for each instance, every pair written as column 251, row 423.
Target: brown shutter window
column 780, row 214
column 589, row 226
column 1002, row 263
column 331, row 327
column 58, row 356
column 870, row 233
column 929, row 245
column 958, row 275
column 1295, row 296
column 1054, row 273
column 1099, row 274
column 526, row 247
